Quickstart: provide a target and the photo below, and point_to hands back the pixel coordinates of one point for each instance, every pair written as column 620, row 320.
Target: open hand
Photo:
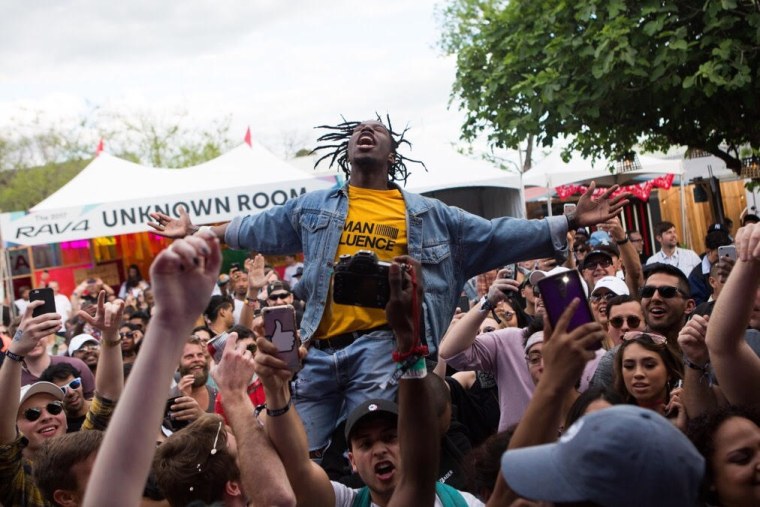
column 170, row 227
column 592, row 211
column 255, row 267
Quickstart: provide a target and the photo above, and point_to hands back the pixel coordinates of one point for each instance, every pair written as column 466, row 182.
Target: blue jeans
column 332, row 383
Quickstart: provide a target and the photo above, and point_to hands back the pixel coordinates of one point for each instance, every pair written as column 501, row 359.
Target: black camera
column 361, row 280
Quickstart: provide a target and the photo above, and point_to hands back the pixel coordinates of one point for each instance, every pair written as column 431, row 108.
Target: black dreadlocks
column 339, row 135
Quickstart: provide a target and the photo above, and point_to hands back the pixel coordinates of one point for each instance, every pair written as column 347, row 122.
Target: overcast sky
column 281, row 67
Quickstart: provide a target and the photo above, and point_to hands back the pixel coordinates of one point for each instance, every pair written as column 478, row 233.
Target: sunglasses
column 603, row 262
column 279, row 295
column 88, row 348
column 128, row 334
column 632, row 320
column 595, row 298
column 536, row 291
column 74, row 384
column 580, row 249
column 34, row 413
column 666, row 291
column 658, row 339
column 508, row 315
column 534, row 358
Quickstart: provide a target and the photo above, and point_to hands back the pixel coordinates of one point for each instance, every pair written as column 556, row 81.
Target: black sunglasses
column 34, row 413
column 666, row 291
column 604, row 262
column 632, row 320
column 279, row 295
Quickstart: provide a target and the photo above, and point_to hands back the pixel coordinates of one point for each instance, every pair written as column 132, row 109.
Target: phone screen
column 464, row 304
column 558, row 291
column 280, row 329
column 46, row 295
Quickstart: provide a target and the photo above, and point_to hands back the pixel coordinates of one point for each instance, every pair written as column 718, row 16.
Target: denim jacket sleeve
column 274, row 231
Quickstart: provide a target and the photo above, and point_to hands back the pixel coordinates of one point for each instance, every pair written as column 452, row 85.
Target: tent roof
column 110, row 179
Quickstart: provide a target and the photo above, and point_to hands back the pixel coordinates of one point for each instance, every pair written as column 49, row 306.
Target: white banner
column 111, row 219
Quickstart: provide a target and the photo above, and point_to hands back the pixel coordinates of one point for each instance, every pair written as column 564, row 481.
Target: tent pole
column 684, row 229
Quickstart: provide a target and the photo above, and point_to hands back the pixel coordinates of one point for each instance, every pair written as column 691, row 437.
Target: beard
column 200, row 377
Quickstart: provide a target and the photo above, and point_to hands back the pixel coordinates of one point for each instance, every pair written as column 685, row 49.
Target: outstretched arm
column 182, row 275
column 256, row 280
column 109, row 377
column 263, row 485
column 176, row 228
column 736, row 366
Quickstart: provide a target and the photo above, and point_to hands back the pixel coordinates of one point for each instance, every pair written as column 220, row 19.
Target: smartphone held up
column 45, row 295
column 558, row 290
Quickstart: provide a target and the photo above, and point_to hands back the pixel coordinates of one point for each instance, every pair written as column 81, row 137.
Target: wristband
column 623, row 242
column 695, row 366
column 14, row 357
column 114, row 343
column 415, row 370
column 486, row 305
column 279, row 411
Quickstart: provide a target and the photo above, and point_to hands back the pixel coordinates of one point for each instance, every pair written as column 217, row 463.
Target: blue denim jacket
column 451, row 244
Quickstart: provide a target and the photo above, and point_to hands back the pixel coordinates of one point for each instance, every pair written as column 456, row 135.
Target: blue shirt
column 451, row 244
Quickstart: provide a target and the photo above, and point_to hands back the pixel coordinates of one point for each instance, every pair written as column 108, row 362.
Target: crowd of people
column 456, row 390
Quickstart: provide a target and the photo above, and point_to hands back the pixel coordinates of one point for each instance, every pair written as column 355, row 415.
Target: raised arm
column 698, row 395
column 634, row 274
column 736, row 366
column 565, row 354
column 109, row 377
column 256, row 280
column 183, row 276
column 30, row 332
column 460, row 337
column 263, row 485
column 285, row 429
column 419, row 445
column 176, row 228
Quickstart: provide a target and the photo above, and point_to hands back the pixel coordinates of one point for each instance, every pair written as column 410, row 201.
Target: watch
column 486, row 305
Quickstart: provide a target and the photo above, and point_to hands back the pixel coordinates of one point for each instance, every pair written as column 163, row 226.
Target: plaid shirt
column 17, row 486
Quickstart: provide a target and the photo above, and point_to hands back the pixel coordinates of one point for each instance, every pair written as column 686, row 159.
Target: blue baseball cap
column 623, row 456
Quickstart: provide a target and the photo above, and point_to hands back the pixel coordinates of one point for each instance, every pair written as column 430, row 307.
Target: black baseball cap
column 374, row 408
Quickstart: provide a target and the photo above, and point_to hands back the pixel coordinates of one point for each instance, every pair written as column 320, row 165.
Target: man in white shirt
column 669, row 253
column 62, row 305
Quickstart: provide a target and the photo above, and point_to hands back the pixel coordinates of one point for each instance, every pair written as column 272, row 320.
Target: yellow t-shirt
column 376, row 221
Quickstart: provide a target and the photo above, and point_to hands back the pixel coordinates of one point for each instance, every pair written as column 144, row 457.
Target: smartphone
column 216, row 346
column 509, row 271
column 727, row 251
column 280, row 329
column 46, row 295
column 464, row 304
column 568, row 208
column 558, row 291
column 173, row 424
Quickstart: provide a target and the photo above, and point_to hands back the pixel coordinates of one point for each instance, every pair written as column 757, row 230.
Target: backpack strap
column 450, row 497
column 362, row 498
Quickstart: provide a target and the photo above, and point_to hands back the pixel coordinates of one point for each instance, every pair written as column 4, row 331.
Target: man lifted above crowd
column 451, row 245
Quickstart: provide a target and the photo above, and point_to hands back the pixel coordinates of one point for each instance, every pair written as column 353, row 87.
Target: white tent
column 456, row 179
column 112, row 196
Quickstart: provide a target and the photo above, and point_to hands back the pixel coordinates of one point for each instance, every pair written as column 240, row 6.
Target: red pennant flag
column 99, row 149
column 247, row 137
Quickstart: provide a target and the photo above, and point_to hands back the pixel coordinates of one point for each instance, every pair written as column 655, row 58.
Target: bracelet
column 695, row 366
column 626, row 240
column 14, row 357
column 279, row 411
column 486, row 305
column 109, row 343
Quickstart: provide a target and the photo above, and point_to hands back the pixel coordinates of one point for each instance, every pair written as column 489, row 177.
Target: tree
column 609, row 74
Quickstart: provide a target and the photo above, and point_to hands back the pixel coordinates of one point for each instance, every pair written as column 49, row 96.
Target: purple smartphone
column 280, row 329
column 558, row 291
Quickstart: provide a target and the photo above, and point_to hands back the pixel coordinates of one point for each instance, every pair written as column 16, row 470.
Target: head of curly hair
column 337, row 138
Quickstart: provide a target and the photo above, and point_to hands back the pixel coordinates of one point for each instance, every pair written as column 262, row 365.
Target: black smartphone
column 173, row 424
column 280, row 329
column 45, row 294
column 464, row 304
column 558, row 291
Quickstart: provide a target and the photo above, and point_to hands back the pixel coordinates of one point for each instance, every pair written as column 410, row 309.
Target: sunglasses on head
column 666, row 291
column 655, row 338
column 632, row 320
column 74, row 384
column 279, row 295
column 595, row 298
column 34, row 413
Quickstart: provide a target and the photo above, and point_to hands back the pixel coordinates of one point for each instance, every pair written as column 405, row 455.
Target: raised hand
column 566, row 354
column 170, row 227
column 273, row 372
column 691, row 339
column 107, row 316
column 591, row 211
column 236, row 369
column 34, row 329
column 183, row 277
column 400, row 309
column 502, row 288
column 186, row 408
column 255, row 268
column 748, row 243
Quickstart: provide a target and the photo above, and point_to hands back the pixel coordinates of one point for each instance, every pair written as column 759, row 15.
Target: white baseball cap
column 613, row 284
